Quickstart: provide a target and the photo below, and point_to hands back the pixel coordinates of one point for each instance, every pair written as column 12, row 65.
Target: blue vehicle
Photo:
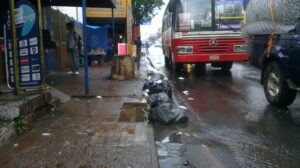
column 280, row 64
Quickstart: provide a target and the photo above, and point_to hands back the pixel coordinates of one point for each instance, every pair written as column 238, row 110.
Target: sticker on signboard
column 11, row 71
column 35, row 68
column 23, row 43
column 24, row 61
column 24, row 52
column 25, row 78
column 34, row 59
column 36, row 76
column 33, row 41
column 25, row 69
column 34, row 50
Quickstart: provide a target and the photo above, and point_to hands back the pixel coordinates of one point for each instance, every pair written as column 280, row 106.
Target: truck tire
column 276, row 87
column 226, row 66
column 177, row 67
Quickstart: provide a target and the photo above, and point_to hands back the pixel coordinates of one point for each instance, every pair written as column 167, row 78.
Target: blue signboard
column 28, row 46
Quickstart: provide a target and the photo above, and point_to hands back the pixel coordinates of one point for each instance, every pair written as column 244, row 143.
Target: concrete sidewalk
column 107, row 131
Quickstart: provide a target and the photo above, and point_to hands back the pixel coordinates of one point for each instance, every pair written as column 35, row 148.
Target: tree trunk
column 122, row 68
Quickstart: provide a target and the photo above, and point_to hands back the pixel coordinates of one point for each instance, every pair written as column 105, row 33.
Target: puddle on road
column 133, row 112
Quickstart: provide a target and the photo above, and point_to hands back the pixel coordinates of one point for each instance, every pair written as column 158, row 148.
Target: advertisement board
column 28, row 47
column 119, row 12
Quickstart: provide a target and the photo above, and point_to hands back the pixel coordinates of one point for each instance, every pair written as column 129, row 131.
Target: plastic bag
column 158, row 99
column 163, row 87
column 167, row 114
column 156, row 84
column 154, row 78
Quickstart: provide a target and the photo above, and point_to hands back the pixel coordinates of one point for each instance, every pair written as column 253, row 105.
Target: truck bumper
column 209, row 58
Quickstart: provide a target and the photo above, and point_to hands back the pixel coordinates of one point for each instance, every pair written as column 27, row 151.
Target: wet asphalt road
column 231, row 123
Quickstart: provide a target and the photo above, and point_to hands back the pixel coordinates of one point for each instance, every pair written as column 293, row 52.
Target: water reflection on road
column 231, row 123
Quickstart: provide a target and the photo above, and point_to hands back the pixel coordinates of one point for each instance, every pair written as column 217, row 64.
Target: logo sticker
column 25, row 78
column 25, row 69
column 24, row 61
column 34, row 59
column 24, row 52
column 36, row 76
column 34, row 50
column 35, row 68
column 33, row 41
column 23, row 43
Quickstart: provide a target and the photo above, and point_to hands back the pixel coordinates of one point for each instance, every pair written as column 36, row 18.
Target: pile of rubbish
column 162, row 109
column 271, row 16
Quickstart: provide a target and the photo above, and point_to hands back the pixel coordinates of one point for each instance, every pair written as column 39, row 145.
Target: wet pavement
column 231, row 123
column 104, row 131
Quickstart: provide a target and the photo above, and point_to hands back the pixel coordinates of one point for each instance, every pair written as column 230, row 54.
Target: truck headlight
column 240, row 48
column 184, row 49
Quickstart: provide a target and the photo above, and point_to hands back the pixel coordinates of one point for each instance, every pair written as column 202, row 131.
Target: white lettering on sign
column 19, row 15
column 12, row 79
column 33, row 41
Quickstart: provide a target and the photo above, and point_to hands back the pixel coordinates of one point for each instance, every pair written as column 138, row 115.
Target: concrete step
column 12, row 106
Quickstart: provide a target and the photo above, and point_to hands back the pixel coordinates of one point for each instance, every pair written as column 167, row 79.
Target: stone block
column 9, row 113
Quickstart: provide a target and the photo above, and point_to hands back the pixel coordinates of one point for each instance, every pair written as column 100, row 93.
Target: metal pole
column 43, row 67
column 86, row 63
column 77, row 14
column 14, row 46
column 113, row 30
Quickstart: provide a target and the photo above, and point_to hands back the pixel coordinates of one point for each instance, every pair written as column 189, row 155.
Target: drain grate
column 133, row 112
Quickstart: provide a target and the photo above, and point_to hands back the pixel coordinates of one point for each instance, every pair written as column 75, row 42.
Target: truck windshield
column 193, row 15
column 196, row 15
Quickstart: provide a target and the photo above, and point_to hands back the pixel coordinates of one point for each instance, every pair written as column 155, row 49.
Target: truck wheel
column 177, row 67
column 276, row 88
column 226, row 66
